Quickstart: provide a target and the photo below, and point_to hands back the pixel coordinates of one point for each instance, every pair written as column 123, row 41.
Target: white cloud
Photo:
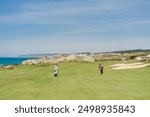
column 56, row 13
column 141, row 22
column 91, row 26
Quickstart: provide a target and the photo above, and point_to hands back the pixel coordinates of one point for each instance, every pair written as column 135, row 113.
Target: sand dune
column 129, row 66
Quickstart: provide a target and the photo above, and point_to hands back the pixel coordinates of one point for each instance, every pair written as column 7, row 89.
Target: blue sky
column 66, row 26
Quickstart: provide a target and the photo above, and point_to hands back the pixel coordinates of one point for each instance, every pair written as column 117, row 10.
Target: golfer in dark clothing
column 101, row 69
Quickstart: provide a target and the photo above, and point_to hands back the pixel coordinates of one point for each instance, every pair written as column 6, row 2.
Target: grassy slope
column 76, row 81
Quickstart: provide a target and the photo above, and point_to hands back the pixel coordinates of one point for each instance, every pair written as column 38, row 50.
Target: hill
column 132, row 51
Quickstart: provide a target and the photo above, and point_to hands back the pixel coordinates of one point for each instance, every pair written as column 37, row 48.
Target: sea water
column 12, row 61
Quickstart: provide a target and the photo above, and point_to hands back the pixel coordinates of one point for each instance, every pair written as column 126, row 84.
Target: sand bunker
column 129, row 66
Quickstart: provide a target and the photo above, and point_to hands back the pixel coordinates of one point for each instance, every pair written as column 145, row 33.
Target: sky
column 70, row 26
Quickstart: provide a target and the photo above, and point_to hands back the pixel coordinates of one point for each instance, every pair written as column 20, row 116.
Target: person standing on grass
column 101, row 69
column 56, row 70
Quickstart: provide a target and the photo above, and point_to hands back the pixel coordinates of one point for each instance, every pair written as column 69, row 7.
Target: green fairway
column 77, row 80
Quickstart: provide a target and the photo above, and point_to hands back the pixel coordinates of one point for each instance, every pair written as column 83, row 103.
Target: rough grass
column 77, row 80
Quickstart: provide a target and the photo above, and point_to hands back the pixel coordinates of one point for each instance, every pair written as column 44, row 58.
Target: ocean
column 12, row 61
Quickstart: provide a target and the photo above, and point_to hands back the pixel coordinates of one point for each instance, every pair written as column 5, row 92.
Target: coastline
column 5, row 61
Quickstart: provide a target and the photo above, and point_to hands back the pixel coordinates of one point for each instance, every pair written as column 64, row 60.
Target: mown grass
column 77, row 80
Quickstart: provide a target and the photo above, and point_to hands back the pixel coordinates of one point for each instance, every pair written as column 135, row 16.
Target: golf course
column 76, row 81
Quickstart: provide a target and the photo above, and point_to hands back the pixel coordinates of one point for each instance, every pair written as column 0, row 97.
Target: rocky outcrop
column 7, row 67
column 59, row 58
column 143, row 58
column 82, row 57
column 32, row 62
